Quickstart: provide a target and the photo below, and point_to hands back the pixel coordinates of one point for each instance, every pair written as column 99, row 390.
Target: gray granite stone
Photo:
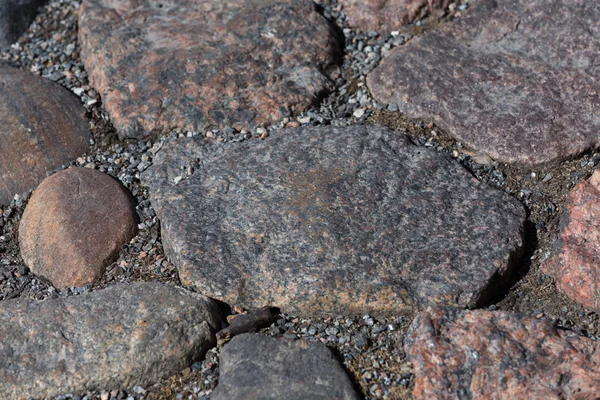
column 254, row 367
column 332, row 221
column 128, row 334
column 517, row 80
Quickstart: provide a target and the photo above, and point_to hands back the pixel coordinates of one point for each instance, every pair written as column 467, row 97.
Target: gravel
column 371, row 349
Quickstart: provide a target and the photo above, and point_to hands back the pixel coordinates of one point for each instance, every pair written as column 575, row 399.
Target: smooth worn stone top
column 42, row 126
column 515, row 79
column 125, row 335
column 193, row 65
column 15, row 17
column 256, row 367
column 574, row 260
column 499, row 355
column 387, row 15
column 331, row 220
column 74, row 225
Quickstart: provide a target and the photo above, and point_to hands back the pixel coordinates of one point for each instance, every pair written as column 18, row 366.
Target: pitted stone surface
column 499, row 355
column 331, row 220
column 15, row 17
column 387, row 15
column 192, row 65
column 42, row 126
column 74, row 225
column 575, row 260
column 515, row 79
column 254, row 367
column 125, row 335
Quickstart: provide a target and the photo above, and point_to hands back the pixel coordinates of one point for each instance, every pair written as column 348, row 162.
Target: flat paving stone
column 125, row 335
column 42, row 126
column 517, row 80
column 74, row 226
column 331, row 220
column 574, row 262
column 387, row 15
column 195, row 65
column 461, row 354
column 15, row 18
column 254, row 367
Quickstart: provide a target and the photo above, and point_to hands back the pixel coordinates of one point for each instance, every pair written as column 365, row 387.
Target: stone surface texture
column 15, row 17
column 461, row 354
column 387, row 15
column 42, row 126
column 125, row 335
column 575, row 262
column 192, row 65
column 254, row 367
column 74, row 226
column 514, row 79
column 331, row 220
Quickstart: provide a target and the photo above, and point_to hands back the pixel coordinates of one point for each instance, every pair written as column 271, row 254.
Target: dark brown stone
column 15, row 17
column 251, row 322
column 125, row 335
column 74, row 225
column 332, row 220
column 256, row 367
column 387, row 15
column 517, row 80
column 42, row 126
column 499, row 355
column 191, row 65
column 575, row 262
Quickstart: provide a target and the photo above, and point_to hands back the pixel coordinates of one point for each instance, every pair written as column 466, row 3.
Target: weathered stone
column 499, row 355
column 387, row 15
column 125, row 335
column 42, row 126
column 15, row 17
column 575, row 260
column 331, row 220
column 74, row 225
column 256, row 367
column 515, row 79
column 192, row 65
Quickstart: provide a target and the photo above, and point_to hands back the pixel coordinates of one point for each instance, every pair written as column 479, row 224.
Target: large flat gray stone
column 517, row 80
column 332, row 220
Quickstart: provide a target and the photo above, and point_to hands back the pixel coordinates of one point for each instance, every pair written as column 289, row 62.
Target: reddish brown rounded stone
column 74, row 225
column 517, row 80
column 42, row 126
column 161, row 65
column 499, row 355
column 575, row 262
column 386, row 15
